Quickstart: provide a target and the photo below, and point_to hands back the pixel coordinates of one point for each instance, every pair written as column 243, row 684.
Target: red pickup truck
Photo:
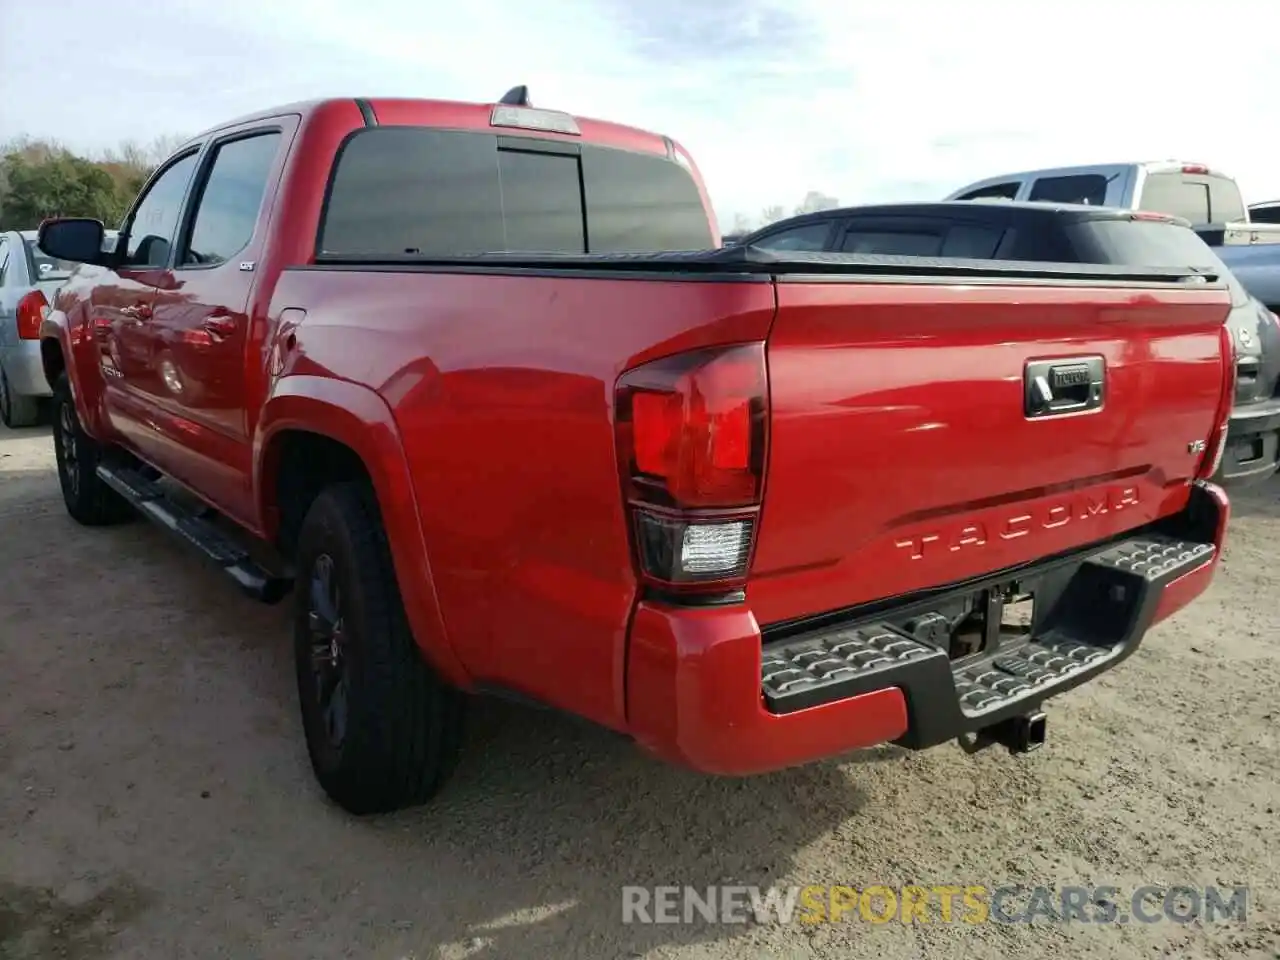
column 477, row 385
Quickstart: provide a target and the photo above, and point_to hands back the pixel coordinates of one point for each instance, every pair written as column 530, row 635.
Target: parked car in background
column 1266, row 212
column 1195, row 192
column 1207, row 198
column 1256, row 264
column 1073, row 233
column 28, row 279
column 1257, row 267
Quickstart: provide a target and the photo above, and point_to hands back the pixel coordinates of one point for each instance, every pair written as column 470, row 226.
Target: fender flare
column 360, row 419
column 57, row 327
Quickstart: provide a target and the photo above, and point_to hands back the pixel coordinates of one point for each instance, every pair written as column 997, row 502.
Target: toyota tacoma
column 479, row 389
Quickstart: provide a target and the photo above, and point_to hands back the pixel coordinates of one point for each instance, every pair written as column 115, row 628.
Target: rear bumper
column 24, row 369
column 1253, row 445
column 707, row 689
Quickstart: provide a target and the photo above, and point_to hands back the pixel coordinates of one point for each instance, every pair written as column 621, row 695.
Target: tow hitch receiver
column 1020, row 734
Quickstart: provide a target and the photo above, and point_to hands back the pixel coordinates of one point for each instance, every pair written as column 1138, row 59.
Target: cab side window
column 995, row 191
column 154, row 224
column 810, row 238
column 227, row 209
column 1086, row 188
column 1269, row 213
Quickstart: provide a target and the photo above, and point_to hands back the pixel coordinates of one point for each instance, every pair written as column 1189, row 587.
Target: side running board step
column 149, row 499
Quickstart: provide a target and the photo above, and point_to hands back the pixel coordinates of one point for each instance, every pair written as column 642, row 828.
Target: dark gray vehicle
column 1257, row 266
column 1071, row 233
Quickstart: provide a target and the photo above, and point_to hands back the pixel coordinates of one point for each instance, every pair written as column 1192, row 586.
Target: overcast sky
column 862, row 100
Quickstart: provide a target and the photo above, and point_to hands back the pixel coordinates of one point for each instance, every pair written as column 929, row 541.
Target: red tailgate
column 902, row 455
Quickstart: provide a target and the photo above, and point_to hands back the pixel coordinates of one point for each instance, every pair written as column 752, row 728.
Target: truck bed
column 900, row 456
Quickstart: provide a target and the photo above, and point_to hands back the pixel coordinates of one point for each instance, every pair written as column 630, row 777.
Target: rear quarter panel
column 501, row 388
column 69, row 326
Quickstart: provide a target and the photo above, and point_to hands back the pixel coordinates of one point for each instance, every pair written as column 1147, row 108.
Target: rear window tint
column 965, row 241
column 1225, row 200
column 893, row 243
column 1194, row 197
column 978, row 243
column 1174, row 194
column 541, row 202
column 810, row 237
column 640, row 203
column 419, row 191
column 1087, row 188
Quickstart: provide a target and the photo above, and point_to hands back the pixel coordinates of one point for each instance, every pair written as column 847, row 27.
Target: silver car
column 28, row 279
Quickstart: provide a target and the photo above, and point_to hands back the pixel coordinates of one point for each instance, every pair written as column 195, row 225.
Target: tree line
column 813, row 201
column 44, row 178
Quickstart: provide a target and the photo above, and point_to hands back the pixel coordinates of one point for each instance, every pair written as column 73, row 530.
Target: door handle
column 1056, row 387
column 220, row 326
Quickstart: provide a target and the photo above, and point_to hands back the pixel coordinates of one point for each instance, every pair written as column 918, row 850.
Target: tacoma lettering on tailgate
column 971, row 533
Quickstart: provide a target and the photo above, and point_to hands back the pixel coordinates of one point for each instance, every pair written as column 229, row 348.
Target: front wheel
column 383, row 730
column 89, row 500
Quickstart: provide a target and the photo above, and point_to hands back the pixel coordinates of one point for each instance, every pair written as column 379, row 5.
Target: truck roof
column 467, row 115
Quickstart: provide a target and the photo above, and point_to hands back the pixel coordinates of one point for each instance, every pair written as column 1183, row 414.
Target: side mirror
column 78, row 239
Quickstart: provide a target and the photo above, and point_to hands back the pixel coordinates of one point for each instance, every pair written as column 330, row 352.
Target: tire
column 16, row 410
column 399, row 724
column 89, row 501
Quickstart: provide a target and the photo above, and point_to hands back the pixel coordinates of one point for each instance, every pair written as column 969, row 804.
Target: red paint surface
column 1190, row 585
column 694, row 696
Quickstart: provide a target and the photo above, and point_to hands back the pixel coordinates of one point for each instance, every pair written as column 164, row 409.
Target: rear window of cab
column 415, row 191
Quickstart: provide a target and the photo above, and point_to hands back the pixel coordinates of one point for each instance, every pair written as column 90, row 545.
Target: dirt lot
column 155, row 799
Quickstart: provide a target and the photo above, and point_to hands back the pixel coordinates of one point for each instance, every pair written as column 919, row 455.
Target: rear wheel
column 15, row 409
column 383, row 730
column 89, row 500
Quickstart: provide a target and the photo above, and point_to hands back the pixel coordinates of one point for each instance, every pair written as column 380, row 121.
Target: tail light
column 1217, row 445
column 32, row 309
column 691, row 435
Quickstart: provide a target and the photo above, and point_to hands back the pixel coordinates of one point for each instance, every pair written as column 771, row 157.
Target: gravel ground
column 155, row 798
